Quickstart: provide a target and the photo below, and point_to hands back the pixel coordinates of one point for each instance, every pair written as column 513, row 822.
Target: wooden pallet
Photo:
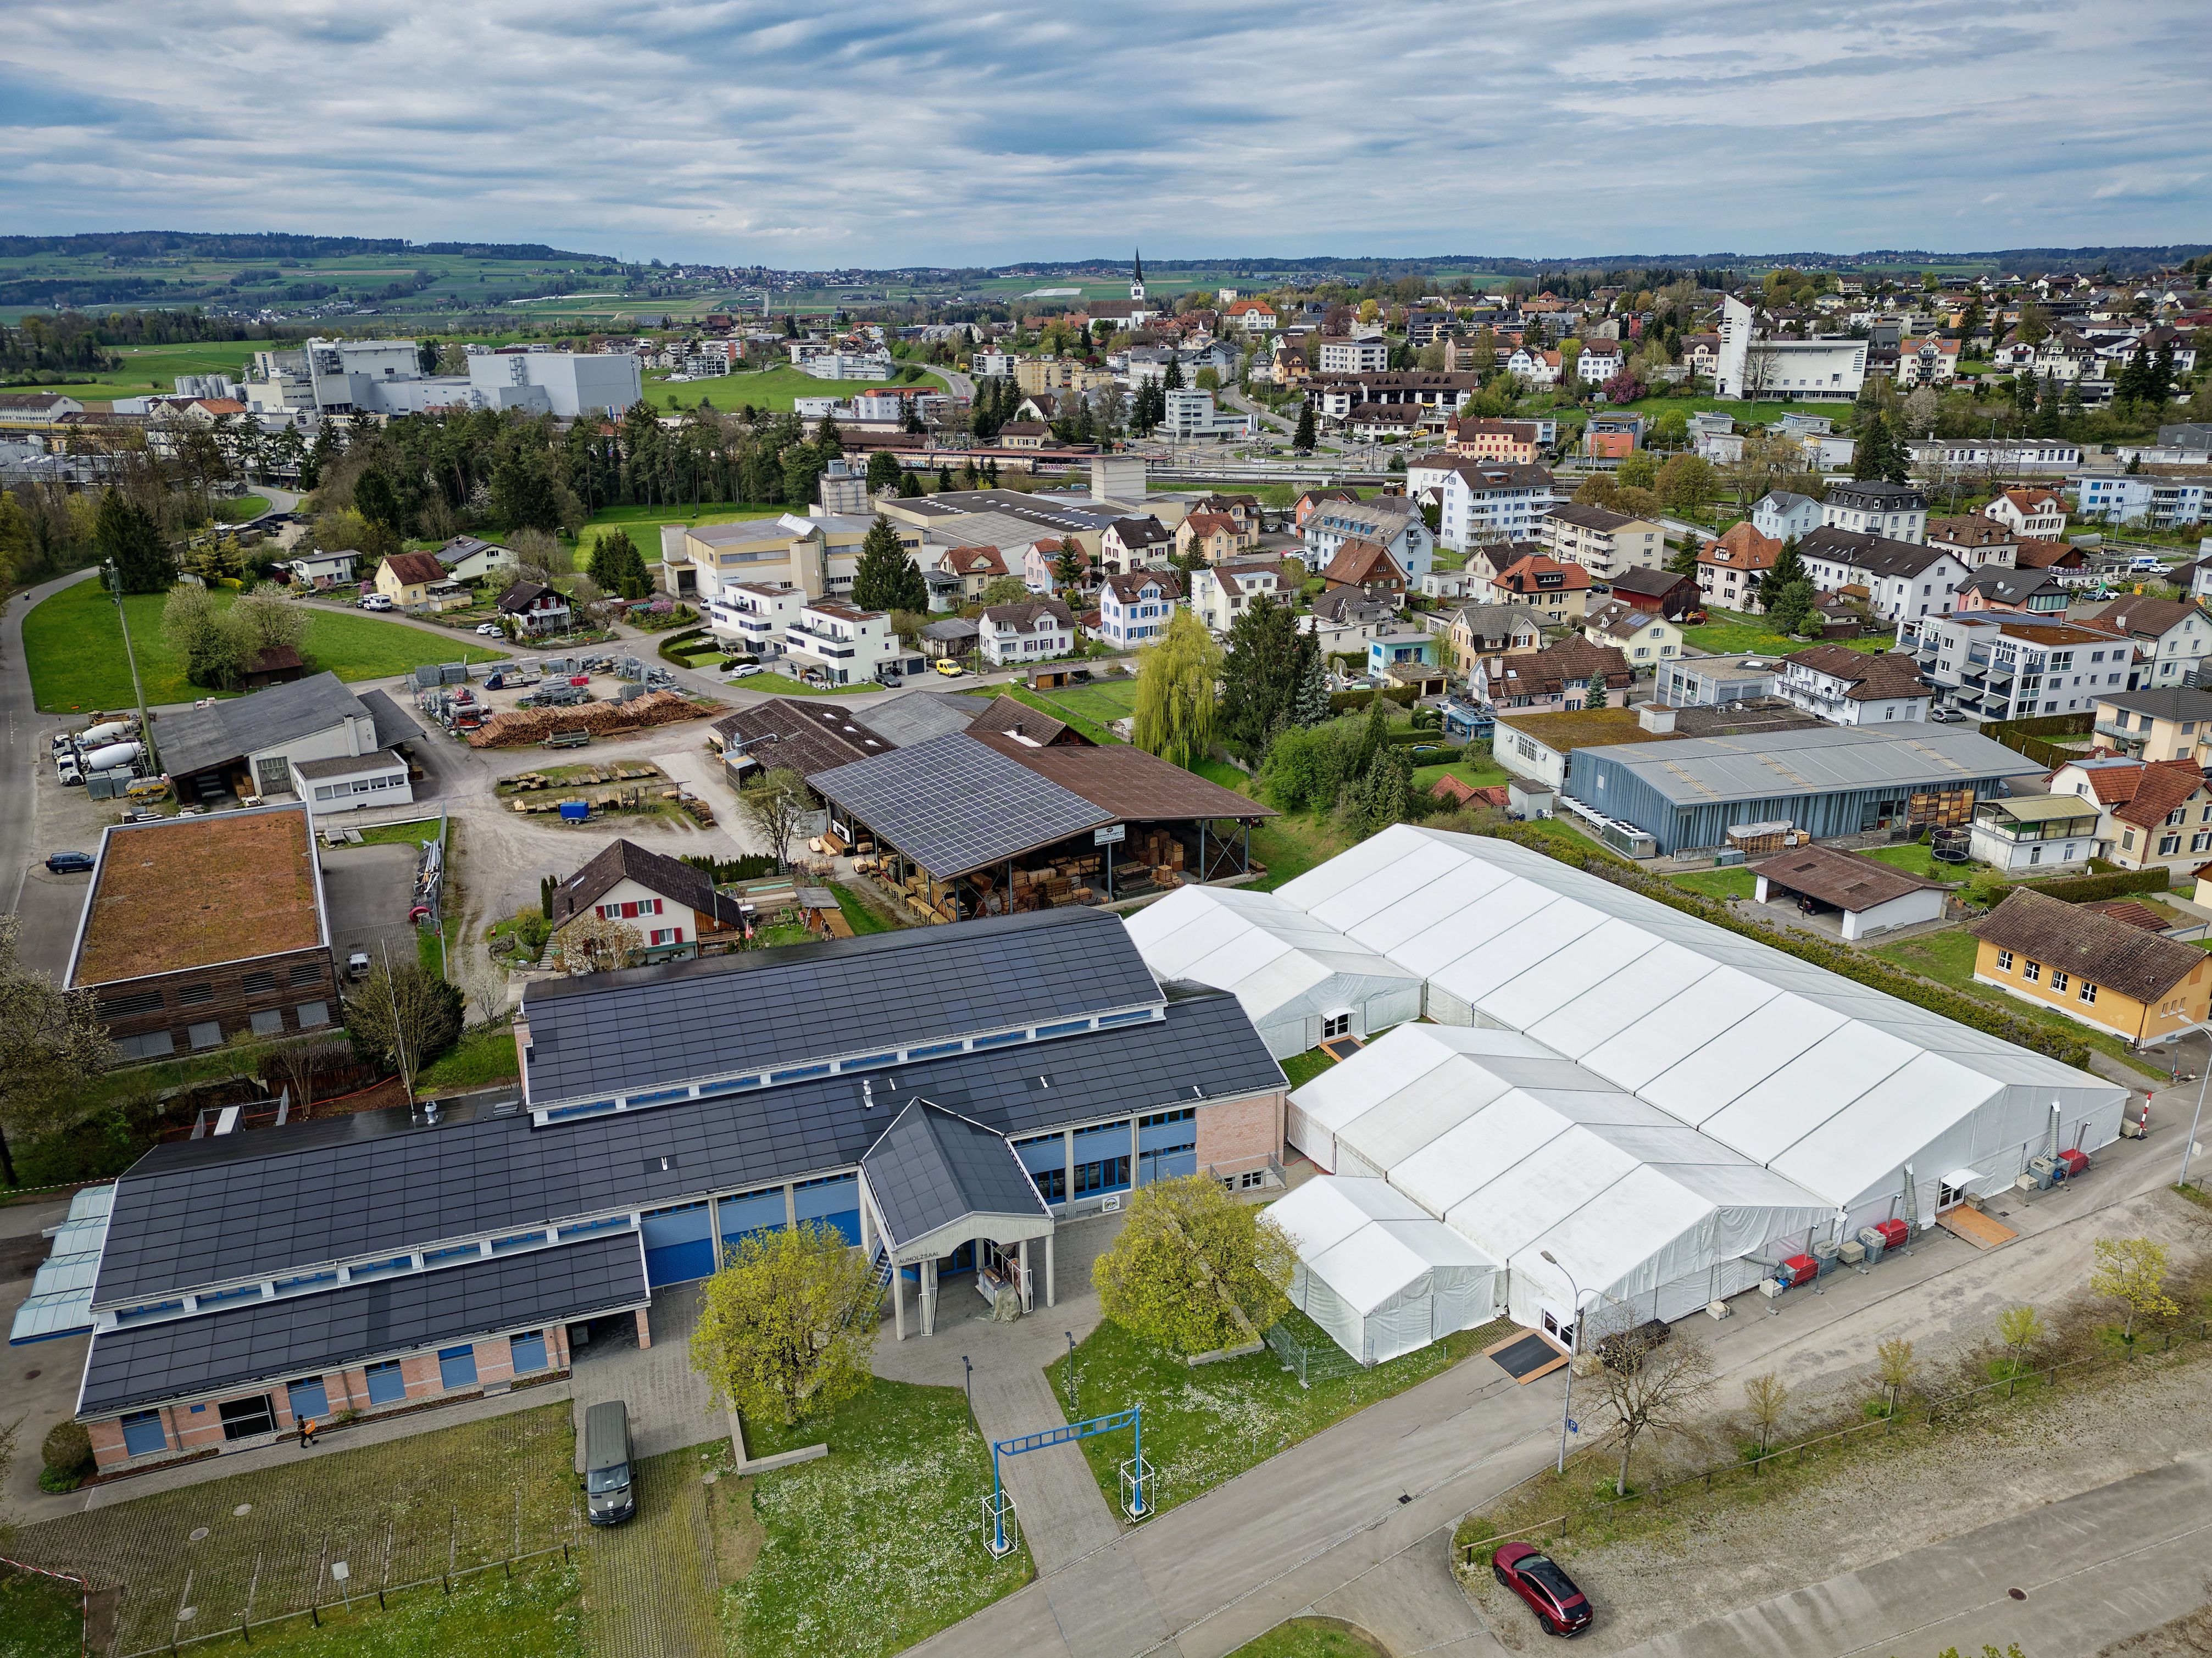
column 1976, row 1227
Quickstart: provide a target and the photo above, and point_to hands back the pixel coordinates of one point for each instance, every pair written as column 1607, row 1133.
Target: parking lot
column 369, row 890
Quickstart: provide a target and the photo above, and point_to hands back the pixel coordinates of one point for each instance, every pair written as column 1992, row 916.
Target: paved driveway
column 369, row 890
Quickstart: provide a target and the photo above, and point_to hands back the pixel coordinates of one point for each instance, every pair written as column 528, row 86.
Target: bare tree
column 1650, row 1389
column 773, row 806
column 300, row 1062
column 405, row 1017
column 593, row 943
column 1762, row 362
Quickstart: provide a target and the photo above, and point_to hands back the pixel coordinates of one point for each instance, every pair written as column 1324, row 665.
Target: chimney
column 1655, row 717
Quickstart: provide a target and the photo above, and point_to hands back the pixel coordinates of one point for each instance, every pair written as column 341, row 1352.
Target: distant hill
column 260, row 245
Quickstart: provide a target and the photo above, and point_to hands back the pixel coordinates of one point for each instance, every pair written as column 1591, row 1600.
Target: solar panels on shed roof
column 954, row 803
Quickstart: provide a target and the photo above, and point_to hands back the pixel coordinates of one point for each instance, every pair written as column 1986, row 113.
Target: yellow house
column 1644, row 637
column 406, row 579
column 2173, row 722
column 2104, row 972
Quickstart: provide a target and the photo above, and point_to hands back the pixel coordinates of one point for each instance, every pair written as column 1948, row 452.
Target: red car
column 1559, row 1607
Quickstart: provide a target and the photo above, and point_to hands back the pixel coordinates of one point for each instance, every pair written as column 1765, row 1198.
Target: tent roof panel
column 1568, row 973
column 1701, row 1084
column 1677, row 1027
column 1521, row 951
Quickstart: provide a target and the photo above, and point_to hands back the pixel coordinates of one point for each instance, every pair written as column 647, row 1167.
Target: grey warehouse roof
column 197, row 740
column 953, row 804
column 222, row 1210
column 1819, row 760
column 933, row 1166
column 304, row 1335
column 392, row 724
column 713, row 1019
column 917, row 716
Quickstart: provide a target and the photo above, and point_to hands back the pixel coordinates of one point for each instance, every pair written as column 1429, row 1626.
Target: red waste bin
column 1893, row 1233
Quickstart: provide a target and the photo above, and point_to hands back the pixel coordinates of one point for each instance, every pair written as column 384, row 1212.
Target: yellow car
column 949, row 668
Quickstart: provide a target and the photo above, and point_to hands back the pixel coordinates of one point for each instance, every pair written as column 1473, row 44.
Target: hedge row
column 1346, row 701
column 2085, row 889
column 678, row 646
column 1868, row 970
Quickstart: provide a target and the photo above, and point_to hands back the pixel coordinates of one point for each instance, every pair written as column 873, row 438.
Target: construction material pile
column 522, row 726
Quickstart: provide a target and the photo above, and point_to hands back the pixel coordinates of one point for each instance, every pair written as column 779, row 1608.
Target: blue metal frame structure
column 1138, row 1508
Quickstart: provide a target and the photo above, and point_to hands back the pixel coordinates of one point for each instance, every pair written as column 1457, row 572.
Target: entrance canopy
column 936, row 1179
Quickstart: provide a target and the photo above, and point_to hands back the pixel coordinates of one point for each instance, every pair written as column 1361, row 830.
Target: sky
column 989, row 131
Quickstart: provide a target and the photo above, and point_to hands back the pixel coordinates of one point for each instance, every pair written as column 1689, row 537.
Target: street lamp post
column 1574, row 1347
column 2189, row 1145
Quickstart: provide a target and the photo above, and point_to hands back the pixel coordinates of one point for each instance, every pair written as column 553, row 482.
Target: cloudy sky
column 949, row 131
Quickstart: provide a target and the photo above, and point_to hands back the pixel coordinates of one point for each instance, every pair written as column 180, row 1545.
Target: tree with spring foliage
column 787, row 1327
column 52, row 1044
column 1186, row 1255
column 1177, row 691
column 2132, row 1272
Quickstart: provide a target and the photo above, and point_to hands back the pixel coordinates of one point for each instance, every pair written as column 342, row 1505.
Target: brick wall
column 1237, row 1135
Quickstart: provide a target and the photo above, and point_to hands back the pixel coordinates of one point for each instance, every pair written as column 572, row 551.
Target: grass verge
column 394, row 834
column 1303, row 1068
column 1719, row 882
column 74, row 649
column 534, row 1615
column 860, row 914
column 873, row 1547
column 777, row 684
column 484, row 1056
column 1314, row 1637
column 1210, row 1424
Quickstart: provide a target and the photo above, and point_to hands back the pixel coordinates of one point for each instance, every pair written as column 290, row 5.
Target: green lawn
column 1719, row 882
column 873, row 1547
column 420, row 834
column 777, row 684
column 237, row 509
column 1102, row 702
column 1207, row 1424
column 75, row 650
column 1947, row 957
column 1560, row 829
column 858, row 914
column 644, row 522
column 764, row 388
column 39, row 1617
column 1914, row 858
column 1314, row 1637
column 484, row 1055
column 1749, row 413
column 1061, row 705
column 1732, row 633
column 1482, row 772
column 1303, row 1068
column 1291, row 844
column 470, row 1489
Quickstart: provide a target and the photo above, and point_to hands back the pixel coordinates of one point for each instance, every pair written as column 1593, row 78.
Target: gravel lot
column 2110, row 1424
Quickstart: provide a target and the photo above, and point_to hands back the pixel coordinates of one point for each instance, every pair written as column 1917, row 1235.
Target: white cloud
column 932, row 131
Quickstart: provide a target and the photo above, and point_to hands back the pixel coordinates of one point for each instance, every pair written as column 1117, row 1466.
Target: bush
column 67, row 1452
column 2086, row 889
column 1346, row 701
column 678, row 647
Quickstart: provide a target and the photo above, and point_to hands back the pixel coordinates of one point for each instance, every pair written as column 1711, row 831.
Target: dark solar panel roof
column 932, row 1166
column 180, row 1221
column 953, row 804
column 309, row 1334
column 657, row 1026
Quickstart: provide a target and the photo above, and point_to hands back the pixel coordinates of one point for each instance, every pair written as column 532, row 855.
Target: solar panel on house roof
column 953, row 804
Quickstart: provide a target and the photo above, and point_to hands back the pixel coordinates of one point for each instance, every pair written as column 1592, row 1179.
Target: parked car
column 1560, row 1607
column 744, row 671
column 949, row 668
column 1947, row 716
column 71, row 863
column 491, row 630
column 608, row 1496
column 375, row 602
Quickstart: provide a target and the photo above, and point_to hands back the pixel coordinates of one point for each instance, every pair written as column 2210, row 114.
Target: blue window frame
column 563, row 1113
column 529, row 1351
column 456, row 1252
column 519, row 1240
column 385, row 1384
column 1107, row 1175
column 1106, row 1019
column 931, row 1050
column 1051, row 1184
column 308, row 1398
column 798, row 1072
column 457, row 1367
column 728, row 1086
column 584, row 1228
column 143, row 1433
column 868, row 1062
column 289, row 1286
column 1068, row 1029
column 1002, row 1039
column 222, row 1298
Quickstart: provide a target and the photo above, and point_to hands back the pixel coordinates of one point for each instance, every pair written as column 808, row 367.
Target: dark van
column 609, row 1496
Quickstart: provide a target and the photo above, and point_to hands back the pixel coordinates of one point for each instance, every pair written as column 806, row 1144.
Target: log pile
column 520, row 727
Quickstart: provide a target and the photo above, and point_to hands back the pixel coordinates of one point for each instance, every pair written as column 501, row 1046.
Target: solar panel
column 952, row 803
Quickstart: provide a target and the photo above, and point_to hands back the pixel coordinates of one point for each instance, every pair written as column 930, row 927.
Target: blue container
column 575, row 811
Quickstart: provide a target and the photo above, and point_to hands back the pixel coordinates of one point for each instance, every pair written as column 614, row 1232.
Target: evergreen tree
column 1310, row 704
column 2158, row 379
column 1303, row 443
column 828, row 438
column 1259, row 678
column 617, row 567
column 910, row 485
column 944, row 477
column 1790, row 608
column 1071, row 564
column 1789, row 566
column 1172, row 381
column 1379, row 799
column 885, row 578
column 883, row 471
column 1870, row 457
column 127, row 536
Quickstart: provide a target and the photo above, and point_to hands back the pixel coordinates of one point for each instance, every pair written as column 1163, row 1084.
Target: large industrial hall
column 1610, row 1098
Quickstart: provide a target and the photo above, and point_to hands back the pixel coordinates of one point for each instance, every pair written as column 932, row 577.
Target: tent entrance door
column 1559, row 1325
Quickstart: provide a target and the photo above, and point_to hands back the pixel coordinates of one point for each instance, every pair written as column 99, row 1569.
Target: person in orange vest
column 307, row 1433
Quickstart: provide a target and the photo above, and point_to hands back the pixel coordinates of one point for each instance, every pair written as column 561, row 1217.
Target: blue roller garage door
column 679, row 1244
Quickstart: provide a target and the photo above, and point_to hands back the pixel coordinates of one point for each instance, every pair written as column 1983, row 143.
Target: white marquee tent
column 1525, row 1154
column 1289, row 971
column 1834, row 1086
column 1377, row 1272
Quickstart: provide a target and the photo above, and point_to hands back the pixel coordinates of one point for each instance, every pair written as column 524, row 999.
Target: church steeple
column 1137, row 277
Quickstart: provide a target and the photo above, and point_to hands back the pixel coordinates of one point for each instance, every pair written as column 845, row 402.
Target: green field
column 1719, row 882
column 1730, row 633
column 75, row 655
column 763, row 388
column 644, row 523
column 1751, row 414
